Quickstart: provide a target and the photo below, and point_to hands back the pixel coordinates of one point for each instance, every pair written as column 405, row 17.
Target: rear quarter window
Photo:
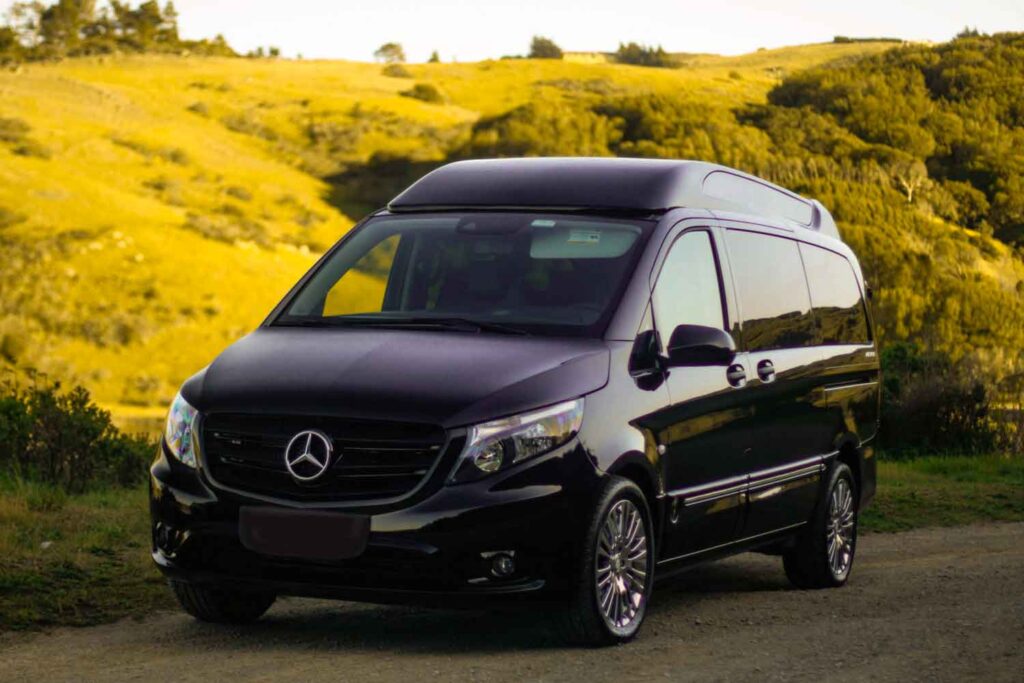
column 774, row 302
column 835, row 296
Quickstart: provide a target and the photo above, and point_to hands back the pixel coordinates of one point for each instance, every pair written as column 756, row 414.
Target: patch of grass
column 946, row 491
column 85, row 561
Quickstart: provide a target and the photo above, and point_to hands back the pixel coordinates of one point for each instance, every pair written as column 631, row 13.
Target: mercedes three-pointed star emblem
column 308, row 455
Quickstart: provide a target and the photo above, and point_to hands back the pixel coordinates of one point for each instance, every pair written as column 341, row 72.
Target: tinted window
column 535, row 272
column 836, row 296
column 774, row 302
column 687, row 290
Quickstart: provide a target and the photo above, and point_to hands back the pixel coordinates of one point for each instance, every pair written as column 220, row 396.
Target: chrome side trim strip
column 840, row 387
column 710, row 486
column 783, row 478
column 723, row 488
column 772, row 471
column 714, row 495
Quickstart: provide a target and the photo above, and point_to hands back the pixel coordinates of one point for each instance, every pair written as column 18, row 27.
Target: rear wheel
column 221, row 605
column 823, row 555
column 614, row 569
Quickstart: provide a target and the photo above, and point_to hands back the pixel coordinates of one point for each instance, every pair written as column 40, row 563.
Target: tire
column 811, row 563
column 604, row 574
column 220, row 605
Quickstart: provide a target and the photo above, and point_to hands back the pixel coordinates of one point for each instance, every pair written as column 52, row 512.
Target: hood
column 447, row 378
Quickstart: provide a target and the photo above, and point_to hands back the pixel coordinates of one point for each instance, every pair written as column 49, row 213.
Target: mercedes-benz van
column 534, row 380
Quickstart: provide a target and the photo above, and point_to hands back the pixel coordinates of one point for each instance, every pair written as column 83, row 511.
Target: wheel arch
column 638, row 469
column 849, row 453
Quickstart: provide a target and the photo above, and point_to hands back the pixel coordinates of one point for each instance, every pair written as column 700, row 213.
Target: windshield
column 512, row 272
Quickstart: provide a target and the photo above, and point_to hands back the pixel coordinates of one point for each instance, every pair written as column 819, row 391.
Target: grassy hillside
column 153, row 209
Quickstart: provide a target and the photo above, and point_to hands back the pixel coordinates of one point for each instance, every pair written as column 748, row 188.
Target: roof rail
column 614, row 184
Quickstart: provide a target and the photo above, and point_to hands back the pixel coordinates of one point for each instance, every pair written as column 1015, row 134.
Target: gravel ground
column 932, row 604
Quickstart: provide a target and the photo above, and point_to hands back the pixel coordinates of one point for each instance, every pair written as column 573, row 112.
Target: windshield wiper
column 444, row 322
column 466, row 323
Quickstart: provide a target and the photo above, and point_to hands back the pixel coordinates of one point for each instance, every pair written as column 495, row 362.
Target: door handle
column 766, row 370
column 737, row 375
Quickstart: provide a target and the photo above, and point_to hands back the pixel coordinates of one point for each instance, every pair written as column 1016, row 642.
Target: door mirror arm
column 696, row 345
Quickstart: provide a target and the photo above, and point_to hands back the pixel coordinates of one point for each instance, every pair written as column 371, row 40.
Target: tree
column 169, row 24
column 23, row 18
column 910, row 175
column 390, row 53
column 642, row 55
column 544, row 48
column 10, row 48
column 61, row 24
column 434, row 58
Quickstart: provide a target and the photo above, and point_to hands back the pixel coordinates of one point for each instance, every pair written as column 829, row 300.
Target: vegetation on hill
column 153, row 209
column 69, row 28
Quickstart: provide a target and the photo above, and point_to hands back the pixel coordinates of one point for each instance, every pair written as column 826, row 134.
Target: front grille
column 372, row 459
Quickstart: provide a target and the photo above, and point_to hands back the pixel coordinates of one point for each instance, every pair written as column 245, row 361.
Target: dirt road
column 938, row 604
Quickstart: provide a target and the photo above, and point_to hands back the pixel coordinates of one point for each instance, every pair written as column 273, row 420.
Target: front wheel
column 614, row 569
column 221, row 605
column 823, row 555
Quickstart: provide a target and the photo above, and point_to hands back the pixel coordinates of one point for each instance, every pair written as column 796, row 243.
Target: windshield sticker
column 584, row 237
column 543, row 223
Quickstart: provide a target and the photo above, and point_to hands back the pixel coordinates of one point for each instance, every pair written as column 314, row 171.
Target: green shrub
column 46, row 499
column 425, row 92
column 239, row 193
column 32, row 148
column 642, row 55
column 931, row 405
column 9, row 218
column 544, row 48
column 65, row 441
column 396, row 71
column 13, row 130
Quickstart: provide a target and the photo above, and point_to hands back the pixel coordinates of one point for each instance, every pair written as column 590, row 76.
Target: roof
column 609, row 184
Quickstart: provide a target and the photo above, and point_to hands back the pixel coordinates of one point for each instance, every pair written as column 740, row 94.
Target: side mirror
column 700, row 345
column 644, row 359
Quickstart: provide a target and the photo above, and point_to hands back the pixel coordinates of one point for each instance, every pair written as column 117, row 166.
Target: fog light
column 503, row 566
column 168, row 539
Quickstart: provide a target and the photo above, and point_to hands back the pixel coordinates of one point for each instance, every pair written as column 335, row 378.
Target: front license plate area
column 303, row 534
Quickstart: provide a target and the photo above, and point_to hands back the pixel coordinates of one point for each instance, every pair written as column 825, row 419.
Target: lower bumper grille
column 372, row 459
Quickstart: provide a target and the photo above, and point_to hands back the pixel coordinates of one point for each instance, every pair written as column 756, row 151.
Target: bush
column 239, row 193
column 13, row 130
column 425, row 92
column 396, row 71
column 9, row 218
column 31, row 148
column 642, row 55
column 66, row 441
column 544, row 48
column 931, row 405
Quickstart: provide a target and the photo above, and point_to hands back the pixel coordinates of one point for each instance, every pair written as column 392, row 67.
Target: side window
column 361, row 289
column 836, row 296
column 688, row 290
column 774, row 302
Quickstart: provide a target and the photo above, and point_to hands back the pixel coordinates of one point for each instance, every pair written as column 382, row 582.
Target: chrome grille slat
column 246, row 453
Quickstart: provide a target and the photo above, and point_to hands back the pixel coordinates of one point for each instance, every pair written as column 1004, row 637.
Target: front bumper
column 437, row 548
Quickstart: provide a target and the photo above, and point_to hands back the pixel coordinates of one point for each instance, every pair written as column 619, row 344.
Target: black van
column 545, row 380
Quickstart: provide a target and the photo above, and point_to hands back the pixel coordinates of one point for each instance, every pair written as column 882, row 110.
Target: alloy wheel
column 621, row 567
column 840, row 530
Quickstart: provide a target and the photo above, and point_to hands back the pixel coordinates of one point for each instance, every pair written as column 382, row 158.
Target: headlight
column 179, row 435
column 497, row 445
